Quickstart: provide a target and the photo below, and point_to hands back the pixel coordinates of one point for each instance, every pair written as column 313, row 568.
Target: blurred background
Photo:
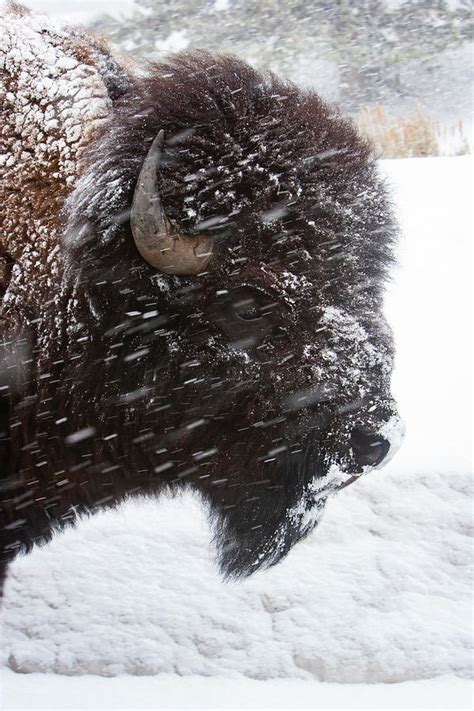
column 402, row 68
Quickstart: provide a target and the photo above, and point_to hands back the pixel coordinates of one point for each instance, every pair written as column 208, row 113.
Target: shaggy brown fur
column 43, row 136
column 257, row 383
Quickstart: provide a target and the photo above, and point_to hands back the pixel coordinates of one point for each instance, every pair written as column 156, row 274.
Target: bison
column 193, row 257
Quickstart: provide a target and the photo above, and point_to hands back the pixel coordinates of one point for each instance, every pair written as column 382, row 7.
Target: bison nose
column 369, row 449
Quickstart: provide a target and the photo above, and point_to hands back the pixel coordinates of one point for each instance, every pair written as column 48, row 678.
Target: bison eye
column 244, row 314
column 253, row 306
column 248, row 310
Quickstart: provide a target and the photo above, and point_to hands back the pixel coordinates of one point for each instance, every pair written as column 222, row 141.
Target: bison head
column 241, row 350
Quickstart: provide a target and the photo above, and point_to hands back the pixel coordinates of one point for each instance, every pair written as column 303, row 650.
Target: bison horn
column 154, row 236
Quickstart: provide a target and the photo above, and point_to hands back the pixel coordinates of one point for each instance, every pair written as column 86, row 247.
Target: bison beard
column 262, row 383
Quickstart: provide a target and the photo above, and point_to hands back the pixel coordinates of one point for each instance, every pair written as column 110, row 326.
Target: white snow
column 175, row 42
column 83, row 11
column 51, row 693
column 430, row 309
column 381, row 592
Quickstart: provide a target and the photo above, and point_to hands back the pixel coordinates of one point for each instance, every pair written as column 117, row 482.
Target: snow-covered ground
column 46, row 692
column 380, row 593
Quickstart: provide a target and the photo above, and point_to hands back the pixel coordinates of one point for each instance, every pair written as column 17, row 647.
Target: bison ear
column 156, row 240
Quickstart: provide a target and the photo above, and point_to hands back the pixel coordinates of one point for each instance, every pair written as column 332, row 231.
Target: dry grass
column 415, row 135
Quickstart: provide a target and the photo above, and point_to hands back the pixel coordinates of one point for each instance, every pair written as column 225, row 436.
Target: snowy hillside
column 381, row 592
column 353, row 53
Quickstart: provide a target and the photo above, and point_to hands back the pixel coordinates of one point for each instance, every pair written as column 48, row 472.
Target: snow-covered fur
column 56, row 89
column 246, row 382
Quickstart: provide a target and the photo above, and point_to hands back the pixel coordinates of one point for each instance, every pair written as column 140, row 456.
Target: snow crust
column 381, row 592
column 65, row 100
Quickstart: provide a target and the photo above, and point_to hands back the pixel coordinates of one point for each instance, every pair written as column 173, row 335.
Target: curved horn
column 154, row 237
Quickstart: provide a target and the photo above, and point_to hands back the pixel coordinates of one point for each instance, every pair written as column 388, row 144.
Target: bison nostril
column 369, row 449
